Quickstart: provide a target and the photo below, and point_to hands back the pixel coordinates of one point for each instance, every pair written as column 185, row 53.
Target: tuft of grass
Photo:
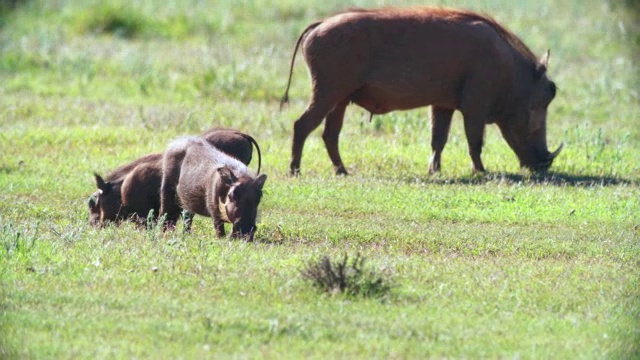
column 116, row 20
column 349, row 278
column 7, row 7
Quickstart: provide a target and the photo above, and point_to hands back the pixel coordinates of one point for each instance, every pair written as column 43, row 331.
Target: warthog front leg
column 218, row 225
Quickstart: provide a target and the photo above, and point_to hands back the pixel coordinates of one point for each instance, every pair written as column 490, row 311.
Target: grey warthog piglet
column 132, row 191
column 202, row 180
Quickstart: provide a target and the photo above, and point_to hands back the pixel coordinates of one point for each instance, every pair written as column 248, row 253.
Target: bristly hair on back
column 508, row 36
column 455, row 15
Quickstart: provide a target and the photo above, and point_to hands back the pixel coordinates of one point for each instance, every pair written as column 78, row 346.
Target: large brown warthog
column 200, row 179
column 400, row 59
column 133, row 190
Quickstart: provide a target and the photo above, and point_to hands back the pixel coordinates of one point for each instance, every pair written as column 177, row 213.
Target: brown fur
column 231, row 143
column 400, row 59
column 198, row 178
column 131, row 191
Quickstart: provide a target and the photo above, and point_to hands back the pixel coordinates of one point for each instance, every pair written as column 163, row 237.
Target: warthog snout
column 542, row 160
column 243, row 232
column 546, row 163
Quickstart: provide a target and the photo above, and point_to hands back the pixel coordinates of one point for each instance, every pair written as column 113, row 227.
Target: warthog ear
column 104, row 186
column 226, row 175
column 260, row 181
column 543, row 63
column 544, row 60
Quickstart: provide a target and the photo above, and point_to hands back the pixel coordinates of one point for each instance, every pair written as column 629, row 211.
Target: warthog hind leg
column 309, row 121
column 440, row 125
column 331, row 135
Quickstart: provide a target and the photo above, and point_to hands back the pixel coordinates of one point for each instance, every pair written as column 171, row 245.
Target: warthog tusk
column 555, row 153
column 223, row 210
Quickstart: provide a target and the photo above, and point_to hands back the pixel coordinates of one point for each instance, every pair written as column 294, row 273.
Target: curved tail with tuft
column 285, row 98
column 255, row 144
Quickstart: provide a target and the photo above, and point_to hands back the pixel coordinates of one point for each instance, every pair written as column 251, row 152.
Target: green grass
column 502, row 265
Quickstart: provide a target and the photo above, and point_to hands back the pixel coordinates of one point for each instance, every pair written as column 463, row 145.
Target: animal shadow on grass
column 548, row 178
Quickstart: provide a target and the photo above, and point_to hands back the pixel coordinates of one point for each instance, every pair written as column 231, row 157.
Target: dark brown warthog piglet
column 234, row 143
column 131, row 191
column 202, row 180
column 128, row 192
column 400, row 59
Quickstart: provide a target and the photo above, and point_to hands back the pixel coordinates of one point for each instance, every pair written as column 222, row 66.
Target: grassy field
column 502, row 265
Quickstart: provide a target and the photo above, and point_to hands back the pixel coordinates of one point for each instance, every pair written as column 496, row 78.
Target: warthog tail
column 285, row 97
column 255, row 143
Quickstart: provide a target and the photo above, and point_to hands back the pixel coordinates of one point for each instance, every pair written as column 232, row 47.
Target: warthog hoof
column 340, row 170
